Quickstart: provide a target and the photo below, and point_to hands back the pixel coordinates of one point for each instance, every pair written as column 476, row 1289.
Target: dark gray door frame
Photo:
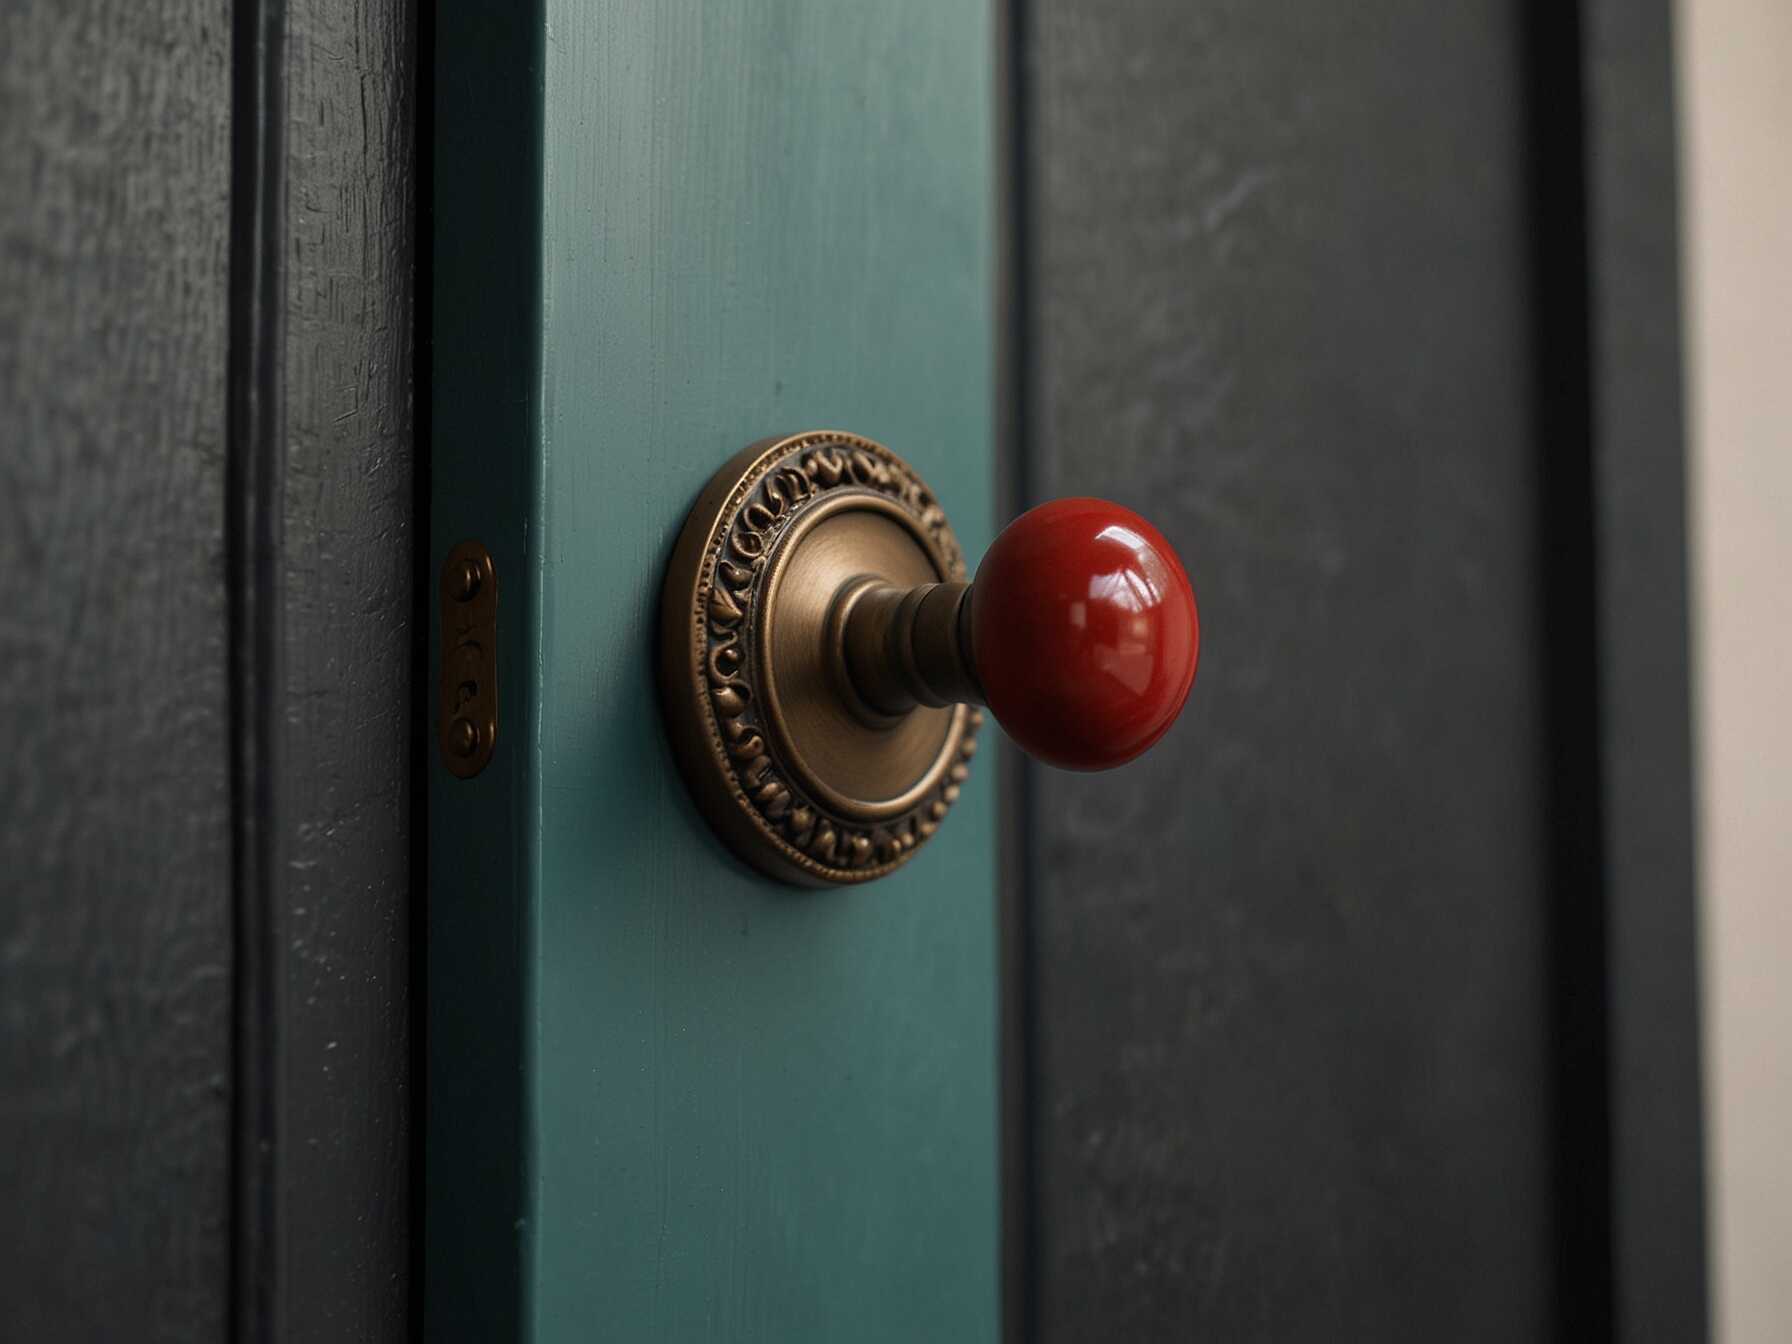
column 324, row 494
column 206, row 277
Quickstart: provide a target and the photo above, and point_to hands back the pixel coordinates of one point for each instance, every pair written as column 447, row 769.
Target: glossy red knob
column 1084, row 633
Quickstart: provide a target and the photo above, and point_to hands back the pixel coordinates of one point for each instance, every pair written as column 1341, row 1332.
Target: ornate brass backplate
column 797, row 774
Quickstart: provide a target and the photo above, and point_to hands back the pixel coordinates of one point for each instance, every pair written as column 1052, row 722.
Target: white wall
column 1736, row 145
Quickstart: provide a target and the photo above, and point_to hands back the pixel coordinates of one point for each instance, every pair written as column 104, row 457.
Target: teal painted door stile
column 667, row 1098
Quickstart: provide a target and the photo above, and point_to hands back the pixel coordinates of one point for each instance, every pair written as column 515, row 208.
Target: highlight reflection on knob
column 1079, row 632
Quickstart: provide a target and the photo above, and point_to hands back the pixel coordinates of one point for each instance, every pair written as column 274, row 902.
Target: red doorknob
column 823, row 659
column 1084, row 633
column 1080, row 634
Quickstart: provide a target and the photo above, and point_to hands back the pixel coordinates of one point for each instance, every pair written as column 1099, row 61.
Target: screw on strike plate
column 464, row 580
column 463, row 737
column 467, row 722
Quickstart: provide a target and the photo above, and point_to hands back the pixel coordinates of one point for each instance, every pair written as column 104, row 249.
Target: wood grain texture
column 343, row 1162
column 747, row 1112
column 116, row 293
column 1658, row 1256
column 115, row 929
column 1292, row 1062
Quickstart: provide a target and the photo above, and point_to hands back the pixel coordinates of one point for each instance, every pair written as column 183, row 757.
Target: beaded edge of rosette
column 789, row 476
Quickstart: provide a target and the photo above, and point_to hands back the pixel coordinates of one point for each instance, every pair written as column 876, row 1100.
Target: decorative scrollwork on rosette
column 811, row 468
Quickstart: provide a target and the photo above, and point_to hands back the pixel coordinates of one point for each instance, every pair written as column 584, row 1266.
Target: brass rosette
column 790, row 767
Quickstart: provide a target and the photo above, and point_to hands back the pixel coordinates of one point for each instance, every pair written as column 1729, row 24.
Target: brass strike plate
column 467, row 725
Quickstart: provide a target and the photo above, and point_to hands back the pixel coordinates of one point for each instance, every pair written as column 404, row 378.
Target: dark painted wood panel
column 344, row 1020
column 115, row 925
column 208, row 663
column 1639, row 473
column 1291, row 1068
